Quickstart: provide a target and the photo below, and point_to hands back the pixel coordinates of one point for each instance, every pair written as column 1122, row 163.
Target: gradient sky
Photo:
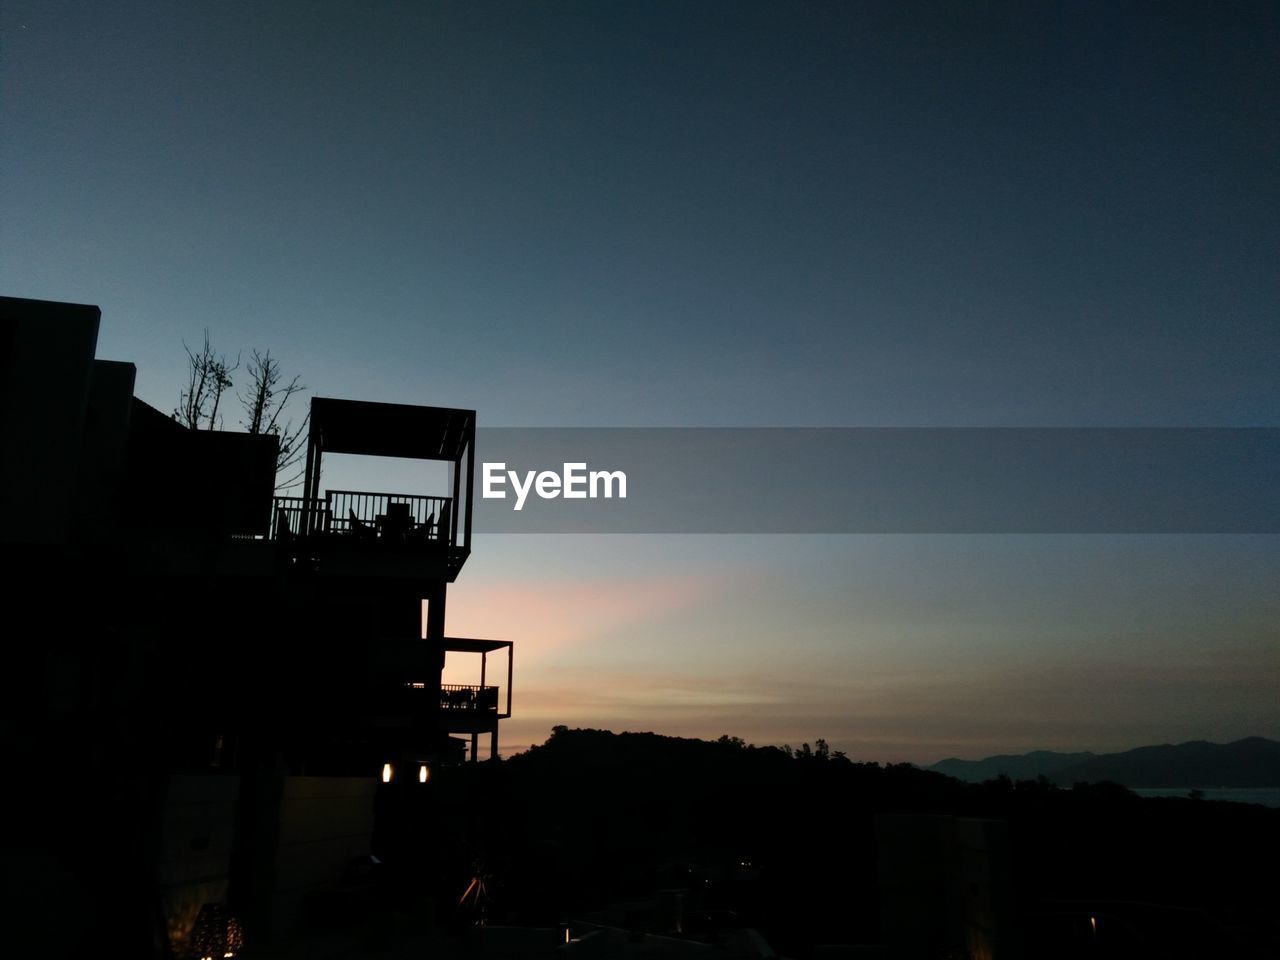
column 720, row 214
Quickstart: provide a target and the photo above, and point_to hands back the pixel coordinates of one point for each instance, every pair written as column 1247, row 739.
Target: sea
column 1266, row 796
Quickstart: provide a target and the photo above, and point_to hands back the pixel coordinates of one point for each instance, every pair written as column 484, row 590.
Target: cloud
column 548, row 616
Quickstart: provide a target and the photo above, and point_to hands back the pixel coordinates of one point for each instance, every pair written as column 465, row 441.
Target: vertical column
column 310, row 481
column 435, row 652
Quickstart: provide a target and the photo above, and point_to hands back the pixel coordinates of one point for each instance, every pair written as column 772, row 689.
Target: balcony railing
column 358, row 515
column 461, row 696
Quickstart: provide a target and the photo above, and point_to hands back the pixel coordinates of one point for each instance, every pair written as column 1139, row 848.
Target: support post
column 471, row 479
column 511, row 656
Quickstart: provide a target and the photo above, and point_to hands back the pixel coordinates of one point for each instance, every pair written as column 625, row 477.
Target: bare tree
column 264, row 403
column 208, row 377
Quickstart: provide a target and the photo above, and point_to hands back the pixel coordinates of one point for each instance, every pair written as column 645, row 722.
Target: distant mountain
column 1252, row 762
column 1023, row 766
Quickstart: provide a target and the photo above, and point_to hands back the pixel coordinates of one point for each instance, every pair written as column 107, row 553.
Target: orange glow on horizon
column 545, row 617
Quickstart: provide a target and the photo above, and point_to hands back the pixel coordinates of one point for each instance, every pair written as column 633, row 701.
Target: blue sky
column 719, row 214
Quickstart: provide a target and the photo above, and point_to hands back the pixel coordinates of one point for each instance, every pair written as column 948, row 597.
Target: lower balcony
column 462, row 698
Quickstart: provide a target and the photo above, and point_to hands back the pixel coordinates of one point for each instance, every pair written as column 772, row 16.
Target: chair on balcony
column 422, row 532
column 359, row 529
column 460, row 699
column 442, row 528
column 283, row 530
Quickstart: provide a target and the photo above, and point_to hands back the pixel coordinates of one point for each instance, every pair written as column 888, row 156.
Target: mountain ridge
column 1248, row 762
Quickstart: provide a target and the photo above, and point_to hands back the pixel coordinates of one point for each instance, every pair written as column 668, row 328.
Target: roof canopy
column 390, row 429
column 470, row 645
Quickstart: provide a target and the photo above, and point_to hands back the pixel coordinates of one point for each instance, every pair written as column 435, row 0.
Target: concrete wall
column 46, row 364
column 197, row 834
column 104, row 461
column 325, row 823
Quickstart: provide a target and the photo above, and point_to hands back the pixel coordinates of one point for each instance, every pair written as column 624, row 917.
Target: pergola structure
column 371, row 429
column 429, row 529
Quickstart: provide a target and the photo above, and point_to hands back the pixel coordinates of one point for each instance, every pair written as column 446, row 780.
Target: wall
column 197, row 833
column 46, row 362
column 325, row 823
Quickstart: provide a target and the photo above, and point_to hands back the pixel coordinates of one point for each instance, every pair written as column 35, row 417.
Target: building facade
column 209, row 683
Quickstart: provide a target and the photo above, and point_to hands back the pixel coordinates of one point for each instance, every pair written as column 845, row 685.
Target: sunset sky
column 720, row 214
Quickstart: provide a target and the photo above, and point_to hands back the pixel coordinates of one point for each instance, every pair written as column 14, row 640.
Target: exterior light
column 423, row 773
column 216, row 933
column 386, row 773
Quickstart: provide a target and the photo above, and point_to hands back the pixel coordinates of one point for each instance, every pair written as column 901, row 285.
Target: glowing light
column 423, row 774
column 216, row 933
column 386, row 773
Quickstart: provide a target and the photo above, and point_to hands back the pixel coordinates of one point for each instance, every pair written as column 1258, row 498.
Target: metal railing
column 296, row 516
column 361, row 515
column 459, row 696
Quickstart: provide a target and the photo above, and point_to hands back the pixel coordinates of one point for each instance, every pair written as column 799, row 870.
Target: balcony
column 462, row 697
column 368, row 517
column 407, row 692
column 369, row 534
column 388, row 526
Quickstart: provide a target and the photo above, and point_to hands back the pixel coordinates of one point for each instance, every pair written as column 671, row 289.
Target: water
column 1267, row 796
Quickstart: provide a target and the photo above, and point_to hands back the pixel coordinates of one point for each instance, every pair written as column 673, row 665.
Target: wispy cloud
column 551, row 615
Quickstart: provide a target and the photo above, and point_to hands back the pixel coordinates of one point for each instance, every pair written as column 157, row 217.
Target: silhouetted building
column 208, row 682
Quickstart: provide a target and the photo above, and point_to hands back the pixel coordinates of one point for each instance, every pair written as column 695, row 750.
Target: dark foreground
column 639, row 845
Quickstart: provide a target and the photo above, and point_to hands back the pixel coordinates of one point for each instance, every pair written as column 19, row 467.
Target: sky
column 719, row 214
